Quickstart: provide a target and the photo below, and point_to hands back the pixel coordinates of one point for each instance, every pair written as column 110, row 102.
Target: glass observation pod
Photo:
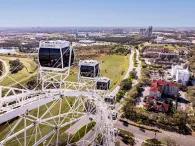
column 55, row 54
column 110, row 99
column 103, row 83
column 89, row 68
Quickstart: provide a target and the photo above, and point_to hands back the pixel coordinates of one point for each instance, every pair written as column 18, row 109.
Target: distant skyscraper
column 149, row 33
column 142, row 31
column 146, row 32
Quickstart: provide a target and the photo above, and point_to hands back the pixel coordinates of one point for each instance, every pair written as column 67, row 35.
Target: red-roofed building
column 162, row 87
column 159, row 92
column 154, row 92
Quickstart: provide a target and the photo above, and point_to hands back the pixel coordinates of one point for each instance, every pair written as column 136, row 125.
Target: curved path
column 6, row 70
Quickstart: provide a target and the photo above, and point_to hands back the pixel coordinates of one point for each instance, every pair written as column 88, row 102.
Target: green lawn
column 25, row 74
column 111, row 66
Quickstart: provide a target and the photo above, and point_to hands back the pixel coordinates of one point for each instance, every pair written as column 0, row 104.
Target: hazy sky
column 168, row 13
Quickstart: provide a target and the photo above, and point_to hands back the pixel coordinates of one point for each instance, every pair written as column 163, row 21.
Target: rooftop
column 54, row 44
column 103, row 79
column 88, row 62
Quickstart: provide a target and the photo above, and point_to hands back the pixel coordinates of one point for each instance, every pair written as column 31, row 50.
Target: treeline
column 131, row 40
column 126, row 85
column 10, row 43
column 191, row 89
column 192, row 60
column 120, row 50
column 91, row 52
column 87, row 52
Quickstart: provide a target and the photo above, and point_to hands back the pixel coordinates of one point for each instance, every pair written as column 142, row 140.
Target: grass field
column 25, row 74
column 112, row 66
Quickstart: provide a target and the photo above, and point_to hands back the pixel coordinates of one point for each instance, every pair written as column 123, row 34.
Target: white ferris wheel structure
column 60, row 112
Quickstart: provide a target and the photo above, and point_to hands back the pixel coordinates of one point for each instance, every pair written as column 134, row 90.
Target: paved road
column 6, row 70
column 131, row 65
column 140, row 136
column 138, row 68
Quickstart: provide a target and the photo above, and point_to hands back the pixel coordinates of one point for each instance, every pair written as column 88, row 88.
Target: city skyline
column 125, row 13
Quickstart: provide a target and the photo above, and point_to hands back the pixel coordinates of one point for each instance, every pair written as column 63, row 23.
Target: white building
column 87, row 41
column 174, row 70
column 159, row 40
column 180, row 74
column 183, row 76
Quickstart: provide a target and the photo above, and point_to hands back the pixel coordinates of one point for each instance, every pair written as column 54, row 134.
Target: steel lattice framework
column 55, row 114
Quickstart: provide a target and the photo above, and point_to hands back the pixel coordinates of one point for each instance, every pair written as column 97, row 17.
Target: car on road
column 114, row 115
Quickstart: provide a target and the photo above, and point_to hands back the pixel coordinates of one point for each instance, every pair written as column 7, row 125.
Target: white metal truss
column 53, row 79
column 55, row 114
column 55, row 122
column 9, row 97
column 20, row 103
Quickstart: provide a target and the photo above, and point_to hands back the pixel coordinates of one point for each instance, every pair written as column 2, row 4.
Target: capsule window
column 109, row 100
column 103, row 85
column 50, row 57
column 72, row 57
column 66, row 56
column 87, row 71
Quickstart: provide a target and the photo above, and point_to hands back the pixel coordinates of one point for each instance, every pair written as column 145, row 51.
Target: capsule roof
column 54, row 44
column 88, row 62
column 103, row 79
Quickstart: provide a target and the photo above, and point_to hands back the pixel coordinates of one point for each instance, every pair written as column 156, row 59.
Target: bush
column 126, row 84
column 169, row 142
column 191, row 95
column 15, row 66
column 120, row 50
column 120, row 95
column 152, row 142
column 127, row 137
column 133, row 74
column 144, row 65
column 129, row 109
